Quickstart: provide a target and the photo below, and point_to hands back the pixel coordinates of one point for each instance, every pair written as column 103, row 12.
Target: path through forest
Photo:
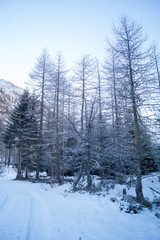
column 31, row 211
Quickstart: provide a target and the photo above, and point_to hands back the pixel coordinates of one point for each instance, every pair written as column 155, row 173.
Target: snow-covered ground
column 30, row 211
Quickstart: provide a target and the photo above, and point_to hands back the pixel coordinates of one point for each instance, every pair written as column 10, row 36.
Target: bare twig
column 154, row 190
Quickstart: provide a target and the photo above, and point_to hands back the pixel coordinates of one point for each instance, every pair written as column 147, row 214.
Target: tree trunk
column 19, row 162
column 26, row 174
column 41, row 125
column 139, row 192
column 77, row 179
column 9, row 156
column 117, row 131
column 83, row 102
column 89, row 179
column 57, row 125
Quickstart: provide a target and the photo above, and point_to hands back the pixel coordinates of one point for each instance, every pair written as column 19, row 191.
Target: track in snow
column 23, row 213
column 38, row 212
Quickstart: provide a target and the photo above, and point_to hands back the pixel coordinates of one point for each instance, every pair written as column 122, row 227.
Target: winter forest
column 99, row 119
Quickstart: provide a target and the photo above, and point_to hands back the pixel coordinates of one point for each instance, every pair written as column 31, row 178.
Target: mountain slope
column 9, row 95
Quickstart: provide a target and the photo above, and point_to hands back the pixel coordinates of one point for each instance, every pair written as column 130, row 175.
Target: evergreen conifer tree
column 21, row 131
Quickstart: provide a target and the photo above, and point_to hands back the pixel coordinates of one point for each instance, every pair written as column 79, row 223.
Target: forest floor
column 35, row 211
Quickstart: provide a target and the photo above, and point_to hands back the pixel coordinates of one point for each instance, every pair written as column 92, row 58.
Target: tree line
column 100, row 119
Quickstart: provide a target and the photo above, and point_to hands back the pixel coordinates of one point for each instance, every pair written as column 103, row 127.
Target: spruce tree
column 21, row 131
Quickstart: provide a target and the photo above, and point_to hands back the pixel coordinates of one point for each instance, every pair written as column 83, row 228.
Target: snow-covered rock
column 9, row 95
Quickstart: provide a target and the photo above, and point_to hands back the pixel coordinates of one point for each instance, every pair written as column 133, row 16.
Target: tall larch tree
column 133, row 65
column 41, row 75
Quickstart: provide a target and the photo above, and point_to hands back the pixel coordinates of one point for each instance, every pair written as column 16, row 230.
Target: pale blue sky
column 75, row 27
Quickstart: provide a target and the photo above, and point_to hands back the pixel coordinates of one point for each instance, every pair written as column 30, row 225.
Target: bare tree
column 84, row 79
column 134, row 70
column 59, row 78
column 83, row 73
column 40, row 75
column 113, row 90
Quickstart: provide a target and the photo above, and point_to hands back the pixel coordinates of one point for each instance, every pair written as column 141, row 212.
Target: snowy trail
column 23, row 213
column 38, row 212
column 14, row 221
column 40, row 221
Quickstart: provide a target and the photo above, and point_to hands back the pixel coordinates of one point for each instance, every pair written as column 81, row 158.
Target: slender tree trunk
column 41, row 125
column 19, row 162
column 83, row 102
column 78, row 179
column 5, row 160
column 57, row 125
column 26, row 174
column 100, row 122
column 139, row 192
column 9, row 156
column 89, row 179
column 52, row 175
column 117, row 130
column 69, row 101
